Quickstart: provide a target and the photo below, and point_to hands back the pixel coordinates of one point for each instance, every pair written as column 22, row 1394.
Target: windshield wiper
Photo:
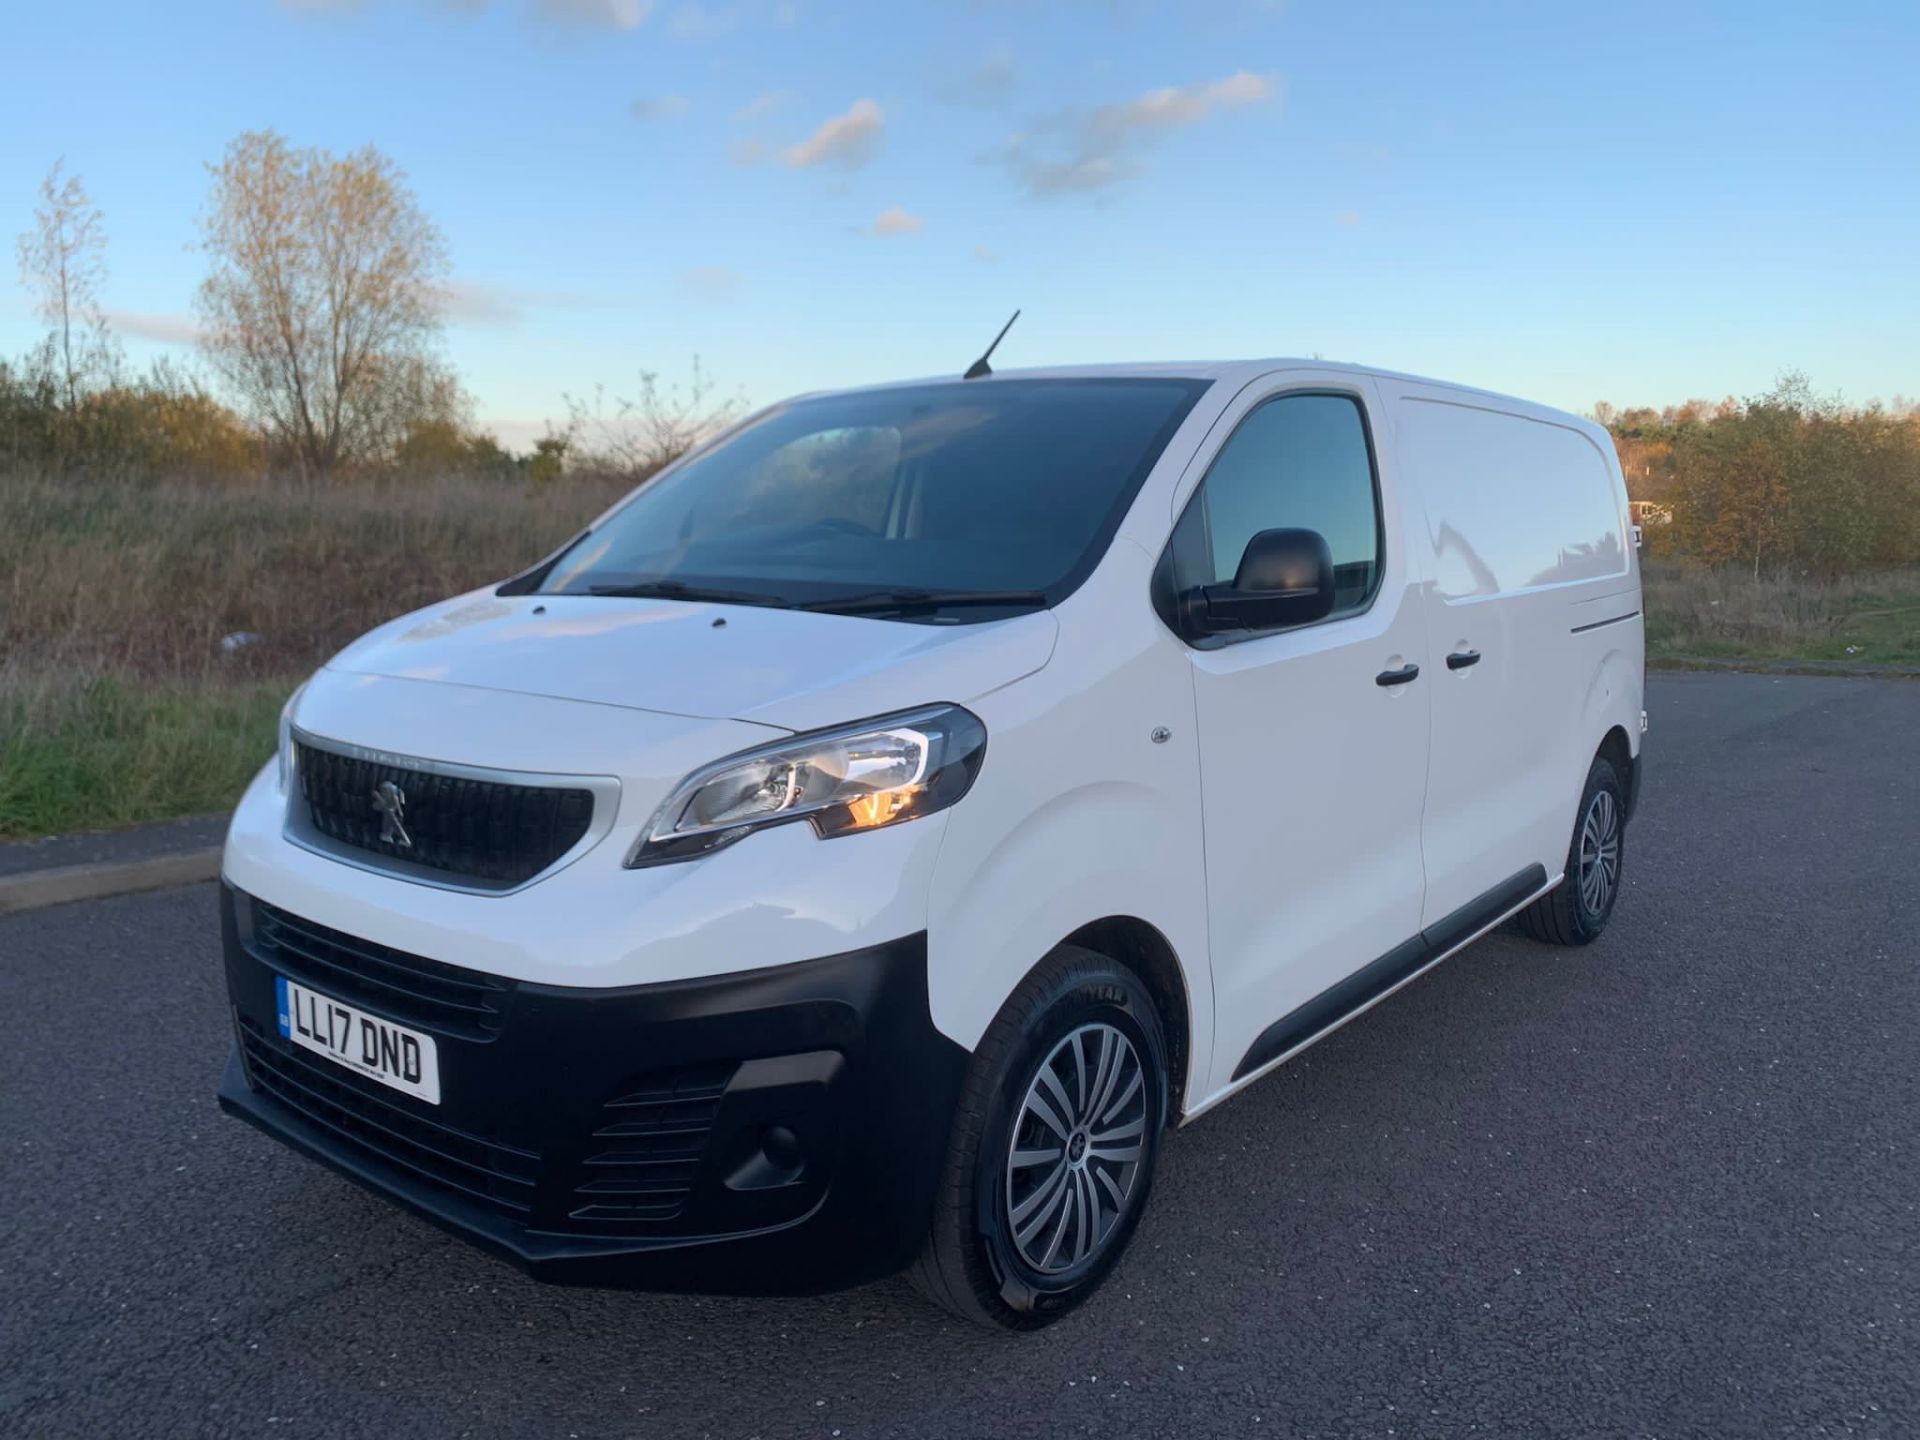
column 680, row 590
column 889, row 600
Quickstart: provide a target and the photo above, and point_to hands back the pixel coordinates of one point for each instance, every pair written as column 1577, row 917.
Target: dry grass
column 118, row 702
column 1872, row 618
column 145, row 580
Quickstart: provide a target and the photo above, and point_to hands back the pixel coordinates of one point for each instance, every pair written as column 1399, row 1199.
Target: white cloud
column 481, row 303
column 1186, row 104
column 610, row 14
column 160, row 326
column 848, row 141
column 988, row 84
column 761, row 105
column 658, row 107
column 895, row 221
column 1087, row 150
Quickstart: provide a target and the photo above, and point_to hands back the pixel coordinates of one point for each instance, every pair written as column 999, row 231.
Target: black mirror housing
column 1285, row 578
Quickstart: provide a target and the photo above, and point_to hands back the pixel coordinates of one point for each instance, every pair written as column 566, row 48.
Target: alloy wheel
column 1599, row 852
column 1074, row 1157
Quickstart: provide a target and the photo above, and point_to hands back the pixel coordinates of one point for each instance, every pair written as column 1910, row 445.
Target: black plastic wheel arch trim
column 1406, row 959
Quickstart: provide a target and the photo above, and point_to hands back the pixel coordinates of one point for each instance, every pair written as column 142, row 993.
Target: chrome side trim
column 297, row 826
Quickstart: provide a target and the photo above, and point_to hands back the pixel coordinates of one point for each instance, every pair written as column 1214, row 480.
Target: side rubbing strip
column 1582, row 629
column 1444, row 934
column 1364, row 986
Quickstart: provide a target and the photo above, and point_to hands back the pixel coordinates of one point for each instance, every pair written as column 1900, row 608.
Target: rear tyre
column 1053, row 1146
column 1577, row 910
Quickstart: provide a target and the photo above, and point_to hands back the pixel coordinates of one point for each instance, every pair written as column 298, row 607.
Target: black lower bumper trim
column 1373, row 980
column 776, row 1131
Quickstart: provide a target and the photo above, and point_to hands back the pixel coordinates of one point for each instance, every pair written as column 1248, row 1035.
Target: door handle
column 1461, row 659
column 1397, row 677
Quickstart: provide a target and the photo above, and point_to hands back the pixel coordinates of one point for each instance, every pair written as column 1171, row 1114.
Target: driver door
column 1313, row 740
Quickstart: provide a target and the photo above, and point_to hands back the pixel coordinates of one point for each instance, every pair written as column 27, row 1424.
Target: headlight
column 286, row 737
column 854, row 777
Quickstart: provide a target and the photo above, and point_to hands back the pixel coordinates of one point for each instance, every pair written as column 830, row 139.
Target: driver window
column 1299, row 460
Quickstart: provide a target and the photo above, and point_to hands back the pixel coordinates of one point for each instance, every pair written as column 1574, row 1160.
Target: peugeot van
column 854, row 850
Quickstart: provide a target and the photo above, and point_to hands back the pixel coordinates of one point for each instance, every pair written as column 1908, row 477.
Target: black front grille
column 486, row 833
column 407, row 987
column 500, row 1175
column 640, row 1164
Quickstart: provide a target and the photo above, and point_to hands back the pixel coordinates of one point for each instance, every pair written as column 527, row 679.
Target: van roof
column 1235, row 372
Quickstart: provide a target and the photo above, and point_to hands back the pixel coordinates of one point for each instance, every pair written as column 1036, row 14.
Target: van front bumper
column 778, row 1130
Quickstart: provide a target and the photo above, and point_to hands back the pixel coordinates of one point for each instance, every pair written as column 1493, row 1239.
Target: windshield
column 951, row 501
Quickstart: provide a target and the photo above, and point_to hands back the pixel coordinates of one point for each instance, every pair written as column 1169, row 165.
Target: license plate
column 365, row 1044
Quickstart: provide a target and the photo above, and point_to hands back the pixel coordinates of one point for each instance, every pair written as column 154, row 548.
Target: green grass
column 1868, row 619
column 1889, row 636
column 108, row 752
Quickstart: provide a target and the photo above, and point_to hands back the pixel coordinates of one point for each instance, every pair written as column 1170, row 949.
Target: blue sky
column 1636, row 202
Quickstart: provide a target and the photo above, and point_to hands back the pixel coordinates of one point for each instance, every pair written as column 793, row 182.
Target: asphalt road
column 1664, row 1187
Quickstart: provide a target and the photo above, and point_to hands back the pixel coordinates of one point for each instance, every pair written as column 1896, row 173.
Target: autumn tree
column 63, row 262
column 1791, row 481
column 322, row 311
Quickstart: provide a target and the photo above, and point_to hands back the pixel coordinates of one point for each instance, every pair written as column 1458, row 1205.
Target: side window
column 1298, row 461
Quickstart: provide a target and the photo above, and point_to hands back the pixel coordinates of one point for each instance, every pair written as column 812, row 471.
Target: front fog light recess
column 854, row 777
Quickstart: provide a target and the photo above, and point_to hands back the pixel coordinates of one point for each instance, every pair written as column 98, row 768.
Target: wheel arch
column 1612, row 707
column 1141, row 947
column 1617, row 750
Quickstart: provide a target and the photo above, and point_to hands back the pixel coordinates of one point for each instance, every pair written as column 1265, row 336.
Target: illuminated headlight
column 286, row 738
column 855, row 777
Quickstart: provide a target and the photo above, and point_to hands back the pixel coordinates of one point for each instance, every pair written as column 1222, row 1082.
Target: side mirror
column 1285, row 578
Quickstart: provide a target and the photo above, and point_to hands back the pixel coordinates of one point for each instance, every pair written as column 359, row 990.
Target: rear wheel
column 1053, row 1146
column 1577, row 910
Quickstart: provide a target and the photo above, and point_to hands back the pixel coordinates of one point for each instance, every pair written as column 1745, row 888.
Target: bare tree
column 323, row 308
column 638, row 435
column 63, row 261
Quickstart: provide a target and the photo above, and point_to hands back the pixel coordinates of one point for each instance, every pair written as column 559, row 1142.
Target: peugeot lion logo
column 391, row 803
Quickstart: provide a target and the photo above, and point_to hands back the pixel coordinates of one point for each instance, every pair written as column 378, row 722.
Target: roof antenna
column 980, row 366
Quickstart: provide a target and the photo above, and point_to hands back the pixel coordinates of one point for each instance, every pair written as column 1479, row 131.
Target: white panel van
column 852, row 851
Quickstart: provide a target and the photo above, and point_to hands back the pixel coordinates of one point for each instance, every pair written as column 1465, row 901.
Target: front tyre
column 1577, row 910
column 1053, row 1146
